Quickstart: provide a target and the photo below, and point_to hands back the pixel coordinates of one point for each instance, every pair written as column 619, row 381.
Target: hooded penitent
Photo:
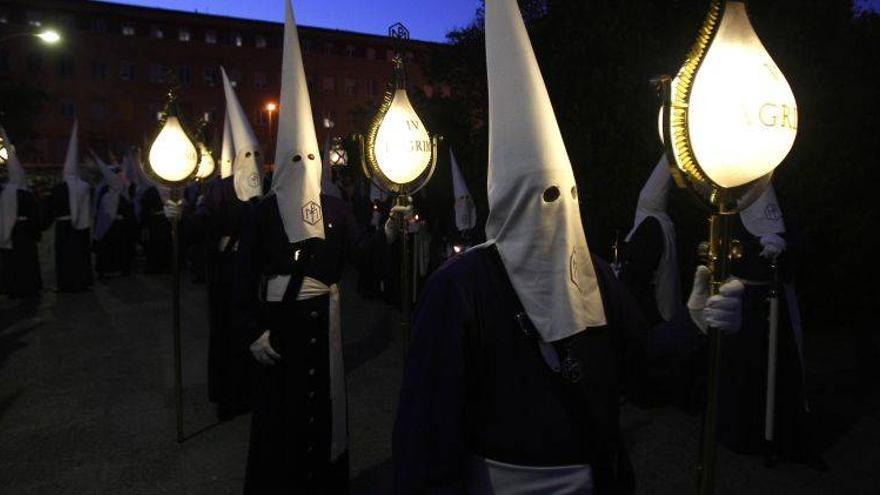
column 465, row 212
column 227, row 153
column 764, row 217
column 108, row 208
column 246, row 168
column 297, row 178
column 16, row 180
column 78, row 189
column 652, row 203
column 534, row 217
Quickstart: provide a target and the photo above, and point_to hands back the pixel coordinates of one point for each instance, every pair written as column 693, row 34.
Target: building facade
column 110, row 71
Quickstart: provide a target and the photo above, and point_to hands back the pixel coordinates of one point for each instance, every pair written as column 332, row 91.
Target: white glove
column 263, row 352
column 173, row 209
column 773, row 244
column 722, row 311
column 392, row 226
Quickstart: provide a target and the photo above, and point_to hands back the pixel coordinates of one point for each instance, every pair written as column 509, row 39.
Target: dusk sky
column 426, row 19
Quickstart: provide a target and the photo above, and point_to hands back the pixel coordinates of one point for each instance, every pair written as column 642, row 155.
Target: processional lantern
column 728, row 119
column 173, row 157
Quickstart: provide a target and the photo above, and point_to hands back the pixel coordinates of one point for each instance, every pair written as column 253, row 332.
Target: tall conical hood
column 297, row 178
column 764, row 216
column 77, row 189
column 465, row 212
column 247, row 167
column 227, row 152
column 534, row 217
column 9, row 195
column 107, row 207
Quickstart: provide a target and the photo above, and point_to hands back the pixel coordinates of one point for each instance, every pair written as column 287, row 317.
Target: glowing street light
column 49, row 36
column 729, row 118
column 271, row 107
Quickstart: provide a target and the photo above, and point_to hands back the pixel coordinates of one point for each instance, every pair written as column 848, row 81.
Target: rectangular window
column 4, row 61
column 260, row 81
column 308, row 46
column 128, row 30
column 99, row 109
column 260, row 41
column 157, row 74
column 351, row 87
column 126, row 71
column 99, row 70
column 389, row 55
column 99, row 25
column 261, row 117
column 237, row 40
column 65, row 67
column 157, row 33
column 211, row 37
column 234, row 76
column 212, row 76
column 329, row 48
column 371, row 53
column 184, row 75
column 184, row 35
column 34, row 18
column 370, row 85
column 350, row 51
column 328, row 84
column 68, row 108
column 4, row 18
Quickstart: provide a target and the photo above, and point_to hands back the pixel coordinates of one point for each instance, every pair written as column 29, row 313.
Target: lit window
column 212, row 77
column 237, row 40
column 34, row 18
column 184, row 35
column 371, row 54
column 4, row 18
column 351, row 87
column 350, row 51
column 260, row 80
column 128, row 30
column 211, row 37
column 126, row 71
column 328, row 84
column 260, row 41
column 157, row 33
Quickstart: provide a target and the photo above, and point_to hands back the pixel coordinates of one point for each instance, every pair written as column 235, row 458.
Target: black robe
column 640, row 258
column 20, row 266
column 291, row 426
column 475, row 381
column 156, row 233
column 73, row 253
column 220, row 216
column 743, row 378
column 114, row 252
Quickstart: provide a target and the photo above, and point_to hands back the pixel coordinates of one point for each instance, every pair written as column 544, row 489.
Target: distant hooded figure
column 522, row 346
column 19, row 231
column 219, row 218
column 70, row 208
column 114, row 222
column 650, row 262
column 292, row 254
column 742, row 420
column 465, row 211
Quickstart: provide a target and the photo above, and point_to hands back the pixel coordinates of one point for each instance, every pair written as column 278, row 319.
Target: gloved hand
column 773, row 244
column 722, row 311
column 173, row 209
column 263, row 352
column 392, row 226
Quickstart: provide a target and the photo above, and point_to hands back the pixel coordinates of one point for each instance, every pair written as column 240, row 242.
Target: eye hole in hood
column 551, row 194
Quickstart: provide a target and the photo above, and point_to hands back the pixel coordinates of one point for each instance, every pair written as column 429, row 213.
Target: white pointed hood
column 764, row 216
column 534, row 217
column 465, row 211
column 78, row 189
column 9, row 196
column 227, row 153
column 248, row 163
column 107, row 207
column 297, row 178
column 652, row 203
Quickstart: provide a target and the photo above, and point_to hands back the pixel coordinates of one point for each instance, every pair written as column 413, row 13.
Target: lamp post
column 174, row 162
column 400, row 157
column 270, row 109
column 729, row 118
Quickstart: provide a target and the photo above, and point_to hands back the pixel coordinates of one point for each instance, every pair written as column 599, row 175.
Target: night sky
column 426, row 19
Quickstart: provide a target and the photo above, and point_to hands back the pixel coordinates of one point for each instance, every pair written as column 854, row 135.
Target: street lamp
column 173, row 162
column 399, row 156
column 47, row 36
column 338, row 155
column 729, row 118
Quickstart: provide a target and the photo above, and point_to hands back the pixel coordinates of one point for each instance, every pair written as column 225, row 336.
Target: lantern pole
column 175, row 315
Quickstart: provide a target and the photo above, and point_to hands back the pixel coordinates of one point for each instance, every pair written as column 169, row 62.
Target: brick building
column 109, row 70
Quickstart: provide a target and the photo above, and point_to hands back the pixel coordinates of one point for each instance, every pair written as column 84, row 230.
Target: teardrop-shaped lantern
column 733, row 117
column 4, row 154
column 173, row 156
column 402, row 145
column 206, row 162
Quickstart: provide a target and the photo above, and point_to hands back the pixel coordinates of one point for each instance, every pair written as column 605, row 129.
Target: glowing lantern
column 206, row 162
column 173, row 156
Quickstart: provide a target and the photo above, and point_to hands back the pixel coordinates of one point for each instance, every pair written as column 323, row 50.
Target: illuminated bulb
column 271, row 107
column 4, row 155
column 206, row 163
column 49, row 36
column 457, row 249
column 742, row 117
column 173, row 157
column 403, row 147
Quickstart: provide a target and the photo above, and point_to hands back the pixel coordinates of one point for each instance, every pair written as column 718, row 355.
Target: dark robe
column 20, row 266
column 156, row 233
column 73, row 253
column 291, row 426
column 475, row 381
column 220, row 216
column 743, row 378
column 114, row 252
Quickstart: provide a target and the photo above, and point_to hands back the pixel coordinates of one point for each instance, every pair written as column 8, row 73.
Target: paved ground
column 86, row 404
